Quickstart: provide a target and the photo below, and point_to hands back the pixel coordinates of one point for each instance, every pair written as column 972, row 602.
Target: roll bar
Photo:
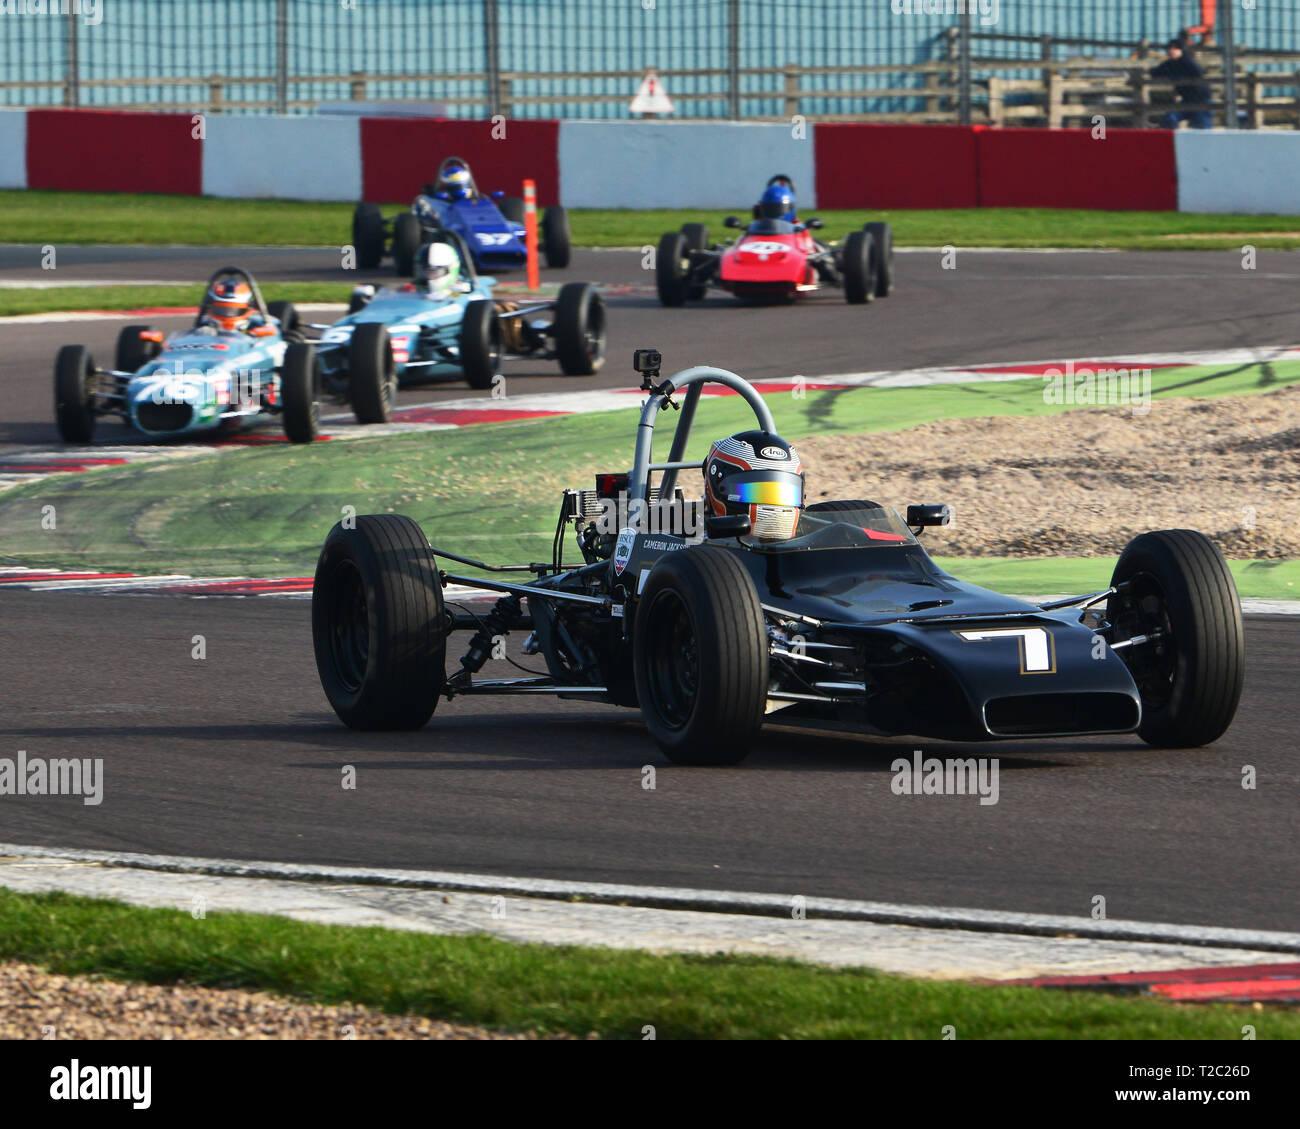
column 237, row 272
column 692, row 379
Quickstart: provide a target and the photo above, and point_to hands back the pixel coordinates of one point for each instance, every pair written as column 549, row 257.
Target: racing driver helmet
column 229, row 303
column 776, row 203
column 757, row 474
column 456, row 182
column 437, row 268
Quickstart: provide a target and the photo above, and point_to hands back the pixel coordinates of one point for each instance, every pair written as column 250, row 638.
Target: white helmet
column 438, row 267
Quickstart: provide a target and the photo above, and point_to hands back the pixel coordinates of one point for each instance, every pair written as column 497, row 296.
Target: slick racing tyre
column 580, row 329
column 480, row 344
column 378, row 624
column 555, row 237
column 859, row 268
column 287, row 316
column 697, row 239
column 882, row 235
column 407, row 237
column 1178, row 593
column 133, row 352
column 512, row 208
column 372, row 373
column 670, row 269
column 300, row 382
column 700, row 656
column 74, row 399
column 368, row 235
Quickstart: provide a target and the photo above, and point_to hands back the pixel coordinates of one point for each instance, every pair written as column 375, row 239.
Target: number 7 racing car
column 847, row 624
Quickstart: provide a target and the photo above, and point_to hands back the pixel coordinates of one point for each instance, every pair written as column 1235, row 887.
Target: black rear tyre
column 882, row 236
column 408, row 236
column 300, row 380
column 670, row 269
column 697, row 239
column 378, row 624
column 368, row 235
column 74, row 388
column 555, row 237
column 1177, row 586
column 580, row 329
column 512, row 208
column 372, row 373
column 287, row 315
column 700, row 654
column 480, row 344
column 859, row 268
column 132, row 352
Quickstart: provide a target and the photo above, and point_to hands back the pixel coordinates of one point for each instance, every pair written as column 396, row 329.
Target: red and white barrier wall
column 712, row 165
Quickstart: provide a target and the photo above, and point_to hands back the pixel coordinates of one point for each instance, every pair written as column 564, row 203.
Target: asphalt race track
column 239, row 755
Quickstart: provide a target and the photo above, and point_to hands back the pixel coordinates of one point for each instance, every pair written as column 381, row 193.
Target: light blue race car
column 491, row 224
column 241, row 363
column 446, row 323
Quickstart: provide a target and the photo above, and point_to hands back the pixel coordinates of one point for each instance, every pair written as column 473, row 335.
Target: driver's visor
column 430, row 273
column 765, row 488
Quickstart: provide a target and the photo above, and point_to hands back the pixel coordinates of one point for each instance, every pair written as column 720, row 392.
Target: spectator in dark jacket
column 1192, row 89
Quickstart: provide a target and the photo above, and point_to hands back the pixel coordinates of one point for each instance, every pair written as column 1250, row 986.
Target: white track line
column 709, row 901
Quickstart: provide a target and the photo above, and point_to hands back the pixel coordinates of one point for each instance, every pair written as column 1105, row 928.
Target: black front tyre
column 700, row 655
column 1178, row 590
column 555, row 237
column 133, row 351
column 74, row 394
column 670, row 269
column 378, row 624
column 480, row 344
column 368, row 235
column 580, row 329
column 512, row 208
column 859, row 268
column 882, row 235
column 408, row 236
column 372, row 373
column 300, row 380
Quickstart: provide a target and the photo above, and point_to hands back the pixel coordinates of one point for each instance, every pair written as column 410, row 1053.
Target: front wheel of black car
column 580, row 329
column 300, row 381
column 700, row 655
column 480, row 344
column 372, row 379
column 555, row 237
column 368, row 235
column 74, row 394
column 670, row 269
column 134, row 351
column 378, row 625
column 859, row 268
column 407, row 237
column 1177, row 594
column 882, row 235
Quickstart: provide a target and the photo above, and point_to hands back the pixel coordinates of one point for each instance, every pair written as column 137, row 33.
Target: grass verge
column 492, row 490
column 41, row 216
column 499, row 984
column 186, row 295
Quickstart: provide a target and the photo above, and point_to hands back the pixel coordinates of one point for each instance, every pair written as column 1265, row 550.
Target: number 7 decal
column 1037, row 646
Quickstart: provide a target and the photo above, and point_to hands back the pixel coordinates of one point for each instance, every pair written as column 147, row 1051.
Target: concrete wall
column 294, row 158
column 13, row 149
column 1234, row 171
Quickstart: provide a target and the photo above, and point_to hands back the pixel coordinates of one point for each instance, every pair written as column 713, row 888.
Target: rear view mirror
column 920, row 517
column 731, row 221
column 726, row 525
column 814, row 224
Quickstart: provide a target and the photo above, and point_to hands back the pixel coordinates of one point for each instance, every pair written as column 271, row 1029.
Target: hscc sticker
column 623, row 550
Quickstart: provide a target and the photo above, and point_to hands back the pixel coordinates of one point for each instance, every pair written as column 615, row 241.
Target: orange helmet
column 229, row 302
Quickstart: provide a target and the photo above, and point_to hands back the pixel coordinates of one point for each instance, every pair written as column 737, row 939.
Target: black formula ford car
column 849, row 625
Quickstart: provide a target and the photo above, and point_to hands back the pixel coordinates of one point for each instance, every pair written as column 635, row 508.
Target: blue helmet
column 456, row 182
column 776, row 203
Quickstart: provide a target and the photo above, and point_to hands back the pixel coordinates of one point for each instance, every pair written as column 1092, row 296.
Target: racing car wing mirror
column 814, row 224
column 726, row 525
column 731, row 221
column 922, row 517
